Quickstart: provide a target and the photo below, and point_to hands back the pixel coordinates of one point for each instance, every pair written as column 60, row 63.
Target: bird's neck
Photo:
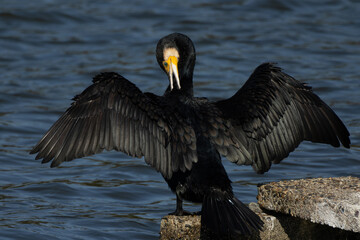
column 186, row 88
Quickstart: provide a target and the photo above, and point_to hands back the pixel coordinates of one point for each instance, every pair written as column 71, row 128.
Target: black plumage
column 182, row 136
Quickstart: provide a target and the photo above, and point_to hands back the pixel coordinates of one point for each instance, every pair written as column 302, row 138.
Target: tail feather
column 224, row 214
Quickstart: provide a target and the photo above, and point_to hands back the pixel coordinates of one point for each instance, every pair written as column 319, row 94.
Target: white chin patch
column 171, row 52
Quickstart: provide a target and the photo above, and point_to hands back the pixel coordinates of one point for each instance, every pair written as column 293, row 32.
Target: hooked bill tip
column 175, row 72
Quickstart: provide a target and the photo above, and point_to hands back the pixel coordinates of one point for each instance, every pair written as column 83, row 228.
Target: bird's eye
column 165, row 64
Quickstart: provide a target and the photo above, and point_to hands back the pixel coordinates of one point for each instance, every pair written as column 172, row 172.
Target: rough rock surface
column 276, row 226
column 180, row 227
column 332, row 205
column 331, row 201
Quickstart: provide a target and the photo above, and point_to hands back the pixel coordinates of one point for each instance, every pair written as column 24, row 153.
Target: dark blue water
column 49, row 51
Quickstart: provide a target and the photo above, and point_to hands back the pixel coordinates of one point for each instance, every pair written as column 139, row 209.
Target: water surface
column 49, row 51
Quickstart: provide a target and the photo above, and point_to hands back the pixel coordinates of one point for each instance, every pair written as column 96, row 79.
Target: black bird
column 183, row 136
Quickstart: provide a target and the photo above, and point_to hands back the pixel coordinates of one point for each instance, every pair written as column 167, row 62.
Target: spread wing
column 114, row 114
column 271, row 114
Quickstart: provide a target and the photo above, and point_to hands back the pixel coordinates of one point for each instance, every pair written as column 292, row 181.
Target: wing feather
column 114, row 114
column 270, row 115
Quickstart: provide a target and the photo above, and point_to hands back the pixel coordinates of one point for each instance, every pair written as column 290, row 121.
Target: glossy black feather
column 224, row 215
column 114, row 114
column 272, row 113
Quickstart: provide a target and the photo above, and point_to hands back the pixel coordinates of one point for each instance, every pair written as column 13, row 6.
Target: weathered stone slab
column 331, row 201
column 184, row 227
column 276, row 226
column 189, row 227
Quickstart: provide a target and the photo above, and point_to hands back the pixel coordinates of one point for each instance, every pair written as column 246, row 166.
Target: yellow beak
column 171, row 67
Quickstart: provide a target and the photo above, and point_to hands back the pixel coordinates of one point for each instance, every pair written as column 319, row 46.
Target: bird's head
column 175, row 54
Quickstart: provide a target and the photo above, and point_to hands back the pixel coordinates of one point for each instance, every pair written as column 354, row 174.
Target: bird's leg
column 179, row 208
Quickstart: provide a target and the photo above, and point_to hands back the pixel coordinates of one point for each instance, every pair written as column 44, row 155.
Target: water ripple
column 50, row 51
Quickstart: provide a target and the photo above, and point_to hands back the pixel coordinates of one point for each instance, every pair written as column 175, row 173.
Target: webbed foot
column 181, row 212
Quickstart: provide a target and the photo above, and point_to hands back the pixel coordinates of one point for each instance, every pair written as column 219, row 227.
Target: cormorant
column 183, row 136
